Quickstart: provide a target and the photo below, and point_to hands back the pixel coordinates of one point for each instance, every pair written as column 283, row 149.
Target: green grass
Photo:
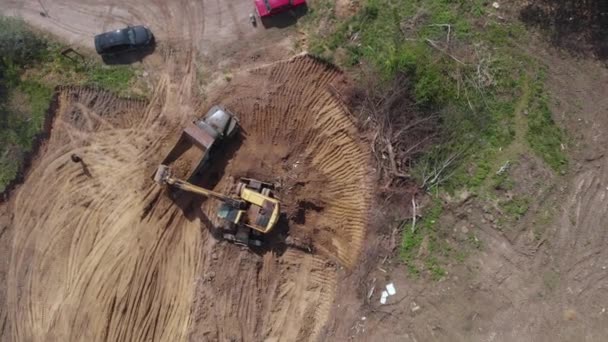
column 39, row 96
column 54, row 68
column 544, row 136
column 20, row 129
column 114, row 78
column 502, row 182
column 476, row 98
column 411, row 240
column 516, row 208
column 480, row 97
column 476, row 113
column 437, row 272
column 8, row 168
column 411, row 243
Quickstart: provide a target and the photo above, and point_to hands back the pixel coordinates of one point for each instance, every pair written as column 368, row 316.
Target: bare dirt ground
column 106, row 256
column 207, row 25
column 109, row 257
column 298, row 135
column 99, row 253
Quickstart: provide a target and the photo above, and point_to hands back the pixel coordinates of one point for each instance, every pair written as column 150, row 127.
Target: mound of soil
column 299, row 136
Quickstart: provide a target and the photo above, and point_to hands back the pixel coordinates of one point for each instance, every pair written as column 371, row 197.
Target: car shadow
column 129, row 57
column 285, row 19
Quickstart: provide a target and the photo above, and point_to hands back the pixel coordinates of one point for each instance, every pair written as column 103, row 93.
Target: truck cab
column 267, row 8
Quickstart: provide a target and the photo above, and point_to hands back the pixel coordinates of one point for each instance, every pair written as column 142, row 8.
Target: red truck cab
column 267, row 8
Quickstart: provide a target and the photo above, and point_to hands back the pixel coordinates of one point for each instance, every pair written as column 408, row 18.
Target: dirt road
column 205, row 24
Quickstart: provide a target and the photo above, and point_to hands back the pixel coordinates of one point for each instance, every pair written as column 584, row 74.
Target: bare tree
column 400, row 130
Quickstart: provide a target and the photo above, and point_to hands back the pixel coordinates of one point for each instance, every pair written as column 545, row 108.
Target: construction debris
column 390, row 291
column 390, row 288
column 383, row 297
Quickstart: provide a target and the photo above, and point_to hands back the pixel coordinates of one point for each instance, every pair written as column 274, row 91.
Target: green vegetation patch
column 516, row 208
column 412, row 247
column 544, row 136
column 31, row 66
column 471, row 76
column 463, row 63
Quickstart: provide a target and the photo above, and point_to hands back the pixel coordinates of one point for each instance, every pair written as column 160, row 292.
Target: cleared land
column 111, row 254
column 101, row 253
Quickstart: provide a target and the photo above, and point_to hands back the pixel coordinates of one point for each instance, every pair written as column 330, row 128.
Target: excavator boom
column 163, row 176
column 182, row 185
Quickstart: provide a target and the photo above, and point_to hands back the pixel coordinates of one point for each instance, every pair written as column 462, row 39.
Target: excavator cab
column 260, row 216
column 263, row 214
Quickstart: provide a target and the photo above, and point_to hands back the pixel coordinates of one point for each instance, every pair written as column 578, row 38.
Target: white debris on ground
column 383, row 297
column 390, row 288
column 495, row 5
column 390, row 291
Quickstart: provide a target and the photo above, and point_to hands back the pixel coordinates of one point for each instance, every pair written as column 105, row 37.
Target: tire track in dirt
column 298, row 135
column 181, row 22
column 111, row 257
column 86, row 254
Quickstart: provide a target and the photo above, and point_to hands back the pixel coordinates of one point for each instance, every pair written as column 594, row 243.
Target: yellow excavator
column 250, row 212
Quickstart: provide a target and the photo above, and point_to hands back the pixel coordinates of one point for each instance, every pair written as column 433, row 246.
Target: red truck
column 267, row 8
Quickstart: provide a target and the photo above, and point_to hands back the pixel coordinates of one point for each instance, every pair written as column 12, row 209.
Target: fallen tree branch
column 391, row 156
column 414, row 214
column 433, row 44
column 436, row 175
column 449, row 31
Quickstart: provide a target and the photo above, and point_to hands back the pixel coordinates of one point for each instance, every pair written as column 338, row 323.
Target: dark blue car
column 123, row 40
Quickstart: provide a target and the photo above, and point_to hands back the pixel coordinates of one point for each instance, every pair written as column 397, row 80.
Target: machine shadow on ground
column 209, row 176
column 129, row 57
column 285, row 19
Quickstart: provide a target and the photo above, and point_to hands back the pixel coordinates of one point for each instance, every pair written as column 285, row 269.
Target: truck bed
column 190, row 152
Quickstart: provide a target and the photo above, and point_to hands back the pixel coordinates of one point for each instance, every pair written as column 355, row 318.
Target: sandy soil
column 287, row 114
column 111, row 254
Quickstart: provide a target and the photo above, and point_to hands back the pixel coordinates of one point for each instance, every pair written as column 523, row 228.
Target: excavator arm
column 163, row 176
column 183, row 185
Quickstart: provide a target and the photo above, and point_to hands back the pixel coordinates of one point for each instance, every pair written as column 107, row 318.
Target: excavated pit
column 104, row 254
column 298, row 135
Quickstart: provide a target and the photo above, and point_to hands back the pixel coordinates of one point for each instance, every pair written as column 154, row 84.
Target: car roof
column 112, row 38
column 124, row 36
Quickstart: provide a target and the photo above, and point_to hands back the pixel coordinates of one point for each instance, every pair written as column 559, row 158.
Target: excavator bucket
column 162, row 173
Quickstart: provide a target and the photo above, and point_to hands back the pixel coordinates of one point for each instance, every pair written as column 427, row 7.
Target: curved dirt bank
column 298, row 135
column 100, row 253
